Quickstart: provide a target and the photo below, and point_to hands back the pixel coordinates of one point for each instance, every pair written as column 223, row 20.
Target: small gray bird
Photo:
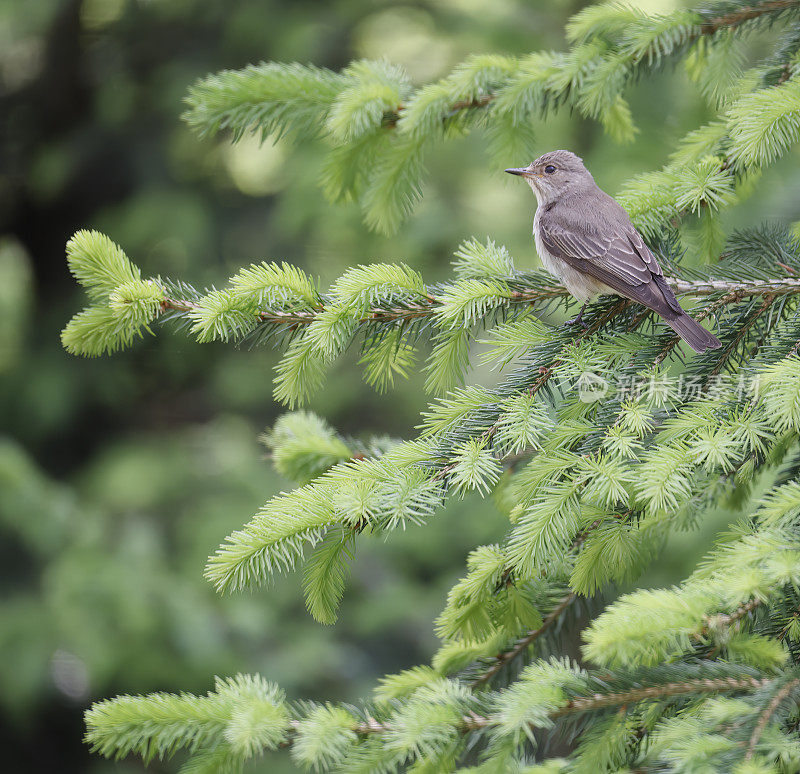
column 588, row 241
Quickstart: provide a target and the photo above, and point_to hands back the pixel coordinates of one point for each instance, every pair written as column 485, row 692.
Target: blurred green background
column 118, row 476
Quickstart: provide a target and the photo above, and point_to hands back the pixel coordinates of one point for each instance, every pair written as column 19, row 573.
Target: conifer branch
column 767, row 714
column 741, row 333
column 246, row 715
column 357, row 106
column 726, row 619
column 737, row 18
column 711, row 27
column 598, row 701
column 502, row 659
column 527, row 295
column 666, row 691
column 392, row 118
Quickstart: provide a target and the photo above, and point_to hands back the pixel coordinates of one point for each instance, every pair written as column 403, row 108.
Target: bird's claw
column 578, row 319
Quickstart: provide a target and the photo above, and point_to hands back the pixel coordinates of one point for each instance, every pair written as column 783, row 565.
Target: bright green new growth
column 99, row 265
column 588, row 443
column 243, row 716
column 124, row 303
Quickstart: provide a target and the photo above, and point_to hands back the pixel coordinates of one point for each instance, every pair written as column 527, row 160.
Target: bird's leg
column 578, row 319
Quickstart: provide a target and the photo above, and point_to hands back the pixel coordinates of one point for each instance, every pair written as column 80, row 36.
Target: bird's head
column 555, row 174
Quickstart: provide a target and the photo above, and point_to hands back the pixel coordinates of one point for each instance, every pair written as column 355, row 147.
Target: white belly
column 583, row 286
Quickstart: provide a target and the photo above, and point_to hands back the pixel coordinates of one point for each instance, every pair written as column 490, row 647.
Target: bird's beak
column 522, row 172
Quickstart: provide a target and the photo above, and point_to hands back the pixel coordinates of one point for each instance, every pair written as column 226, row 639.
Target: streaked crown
column 562, row 159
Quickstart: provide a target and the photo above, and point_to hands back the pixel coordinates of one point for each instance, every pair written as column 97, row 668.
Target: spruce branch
column 766, row 716
column 666, row 691
column 747, row 13
column 506, row 657
column 379, row 127
column 728, row 619
column 742, row 331
column 391, row 116
column 246, row 716
column 389, row 306
column 710, row 622
column 526, row 294
column 598, row 701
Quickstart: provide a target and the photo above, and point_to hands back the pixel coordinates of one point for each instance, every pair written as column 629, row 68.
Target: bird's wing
column 615, row 254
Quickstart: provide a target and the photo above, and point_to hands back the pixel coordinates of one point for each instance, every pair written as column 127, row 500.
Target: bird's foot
column 578, row 319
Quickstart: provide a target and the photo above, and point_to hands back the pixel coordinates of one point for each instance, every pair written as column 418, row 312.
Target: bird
column 586, row 240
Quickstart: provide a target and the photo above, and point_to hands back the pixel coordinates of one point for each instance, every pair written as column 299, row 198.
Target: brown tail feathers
column 694, row 334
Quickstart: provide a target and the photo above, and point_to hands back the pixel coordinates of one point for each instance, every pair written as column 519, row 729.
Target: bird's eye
column 549, row 169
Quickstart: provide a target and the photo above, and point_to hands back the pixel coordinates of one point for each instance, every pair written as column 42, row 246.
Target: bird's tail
column 694, row 334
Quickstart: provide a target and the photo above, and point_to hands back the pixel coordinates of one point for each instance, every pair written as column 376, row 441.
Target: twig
column 779, row 287
column 504, row 658
column 767, row 714
column 429, row 304
column 714, row 685
column 740, row 334
column 737, row 18
column 726, row 619
column 475, row 722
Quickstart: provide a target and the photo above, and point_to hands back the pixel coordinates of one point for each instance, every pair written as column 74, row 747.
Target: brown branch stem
column 504, row 658
column 475, row 722
column 769, row 298
column 714, row 685
column 726, row 619
column 737, row 18
column 766, row 716
column 428, row 305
